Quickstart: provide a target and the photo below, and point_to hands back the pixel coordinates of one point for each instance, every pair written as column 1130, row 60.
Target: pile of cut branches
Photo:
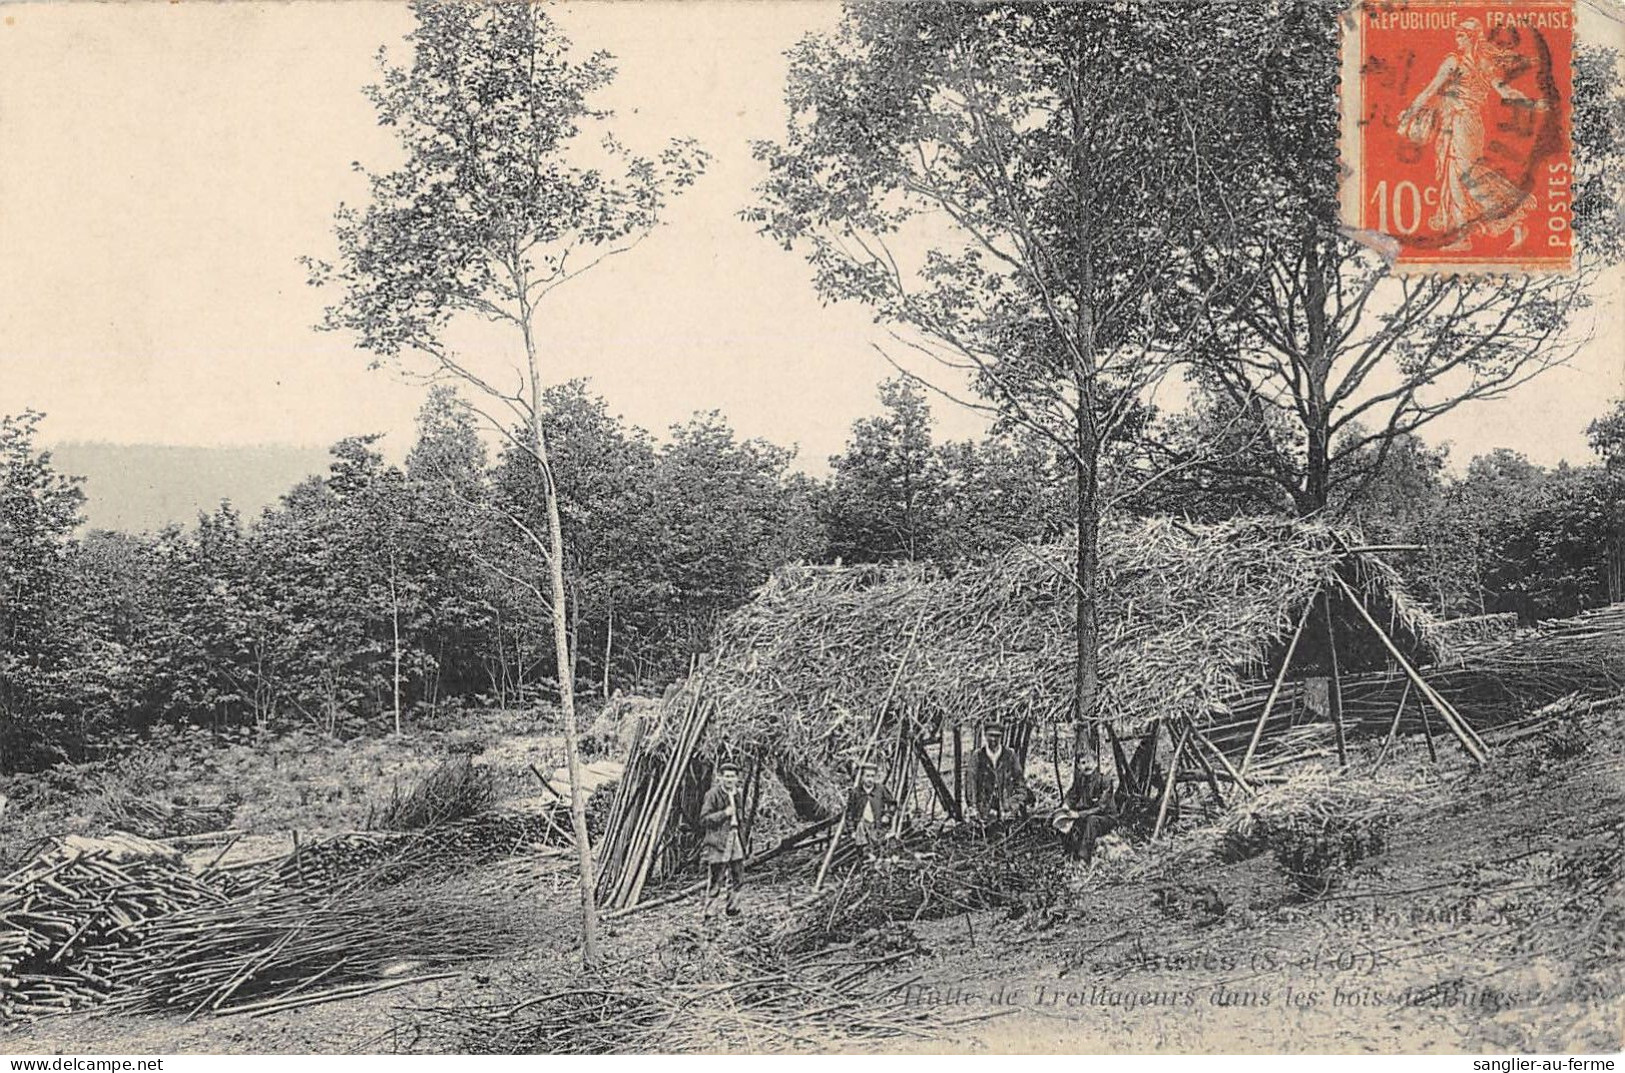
column 66, row 913
column 1584, row 655
column 269, row 950
column 695, row 994
column 161, row 817
column 966, row 870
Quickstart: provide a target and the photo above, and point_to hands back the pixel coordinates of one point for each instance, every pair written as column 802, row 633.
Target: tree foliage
column 1017, row 190
column 1329, row 359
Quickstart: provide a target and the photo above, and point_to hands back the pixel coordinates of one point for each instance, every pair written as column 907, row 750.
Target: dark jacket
column 996, row 786
column 714, row 818
column 1092, row 793
column 881, row 802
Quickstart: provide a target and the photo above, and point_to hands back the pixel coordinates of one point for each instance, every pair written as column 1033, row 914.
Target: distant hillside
column 146, row 486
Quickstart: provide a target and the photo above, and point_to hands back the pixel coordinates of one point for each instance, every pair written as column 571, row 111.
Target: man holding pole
column 724, row 850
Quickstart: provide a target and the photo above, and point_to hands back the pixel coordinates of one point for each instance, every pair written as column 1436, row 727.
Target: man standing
column 998, row 786
column 723, row 851
column 869, row 810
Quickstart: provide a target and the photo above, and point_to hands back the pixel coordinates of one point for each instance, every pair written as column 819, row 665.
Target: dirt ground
column 1493, row 922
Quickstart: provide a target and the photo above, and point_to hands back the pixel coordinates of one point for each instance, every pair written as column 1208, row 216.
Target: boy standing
column 723, row 851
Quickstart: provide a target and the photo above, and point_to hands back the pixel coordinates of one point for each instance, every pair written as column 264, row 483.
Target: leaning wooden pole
column 1275, row 689
column 677, row 770
column 940, row 787
column 868, row 747
column 1207, row 768
column 959, row 768
column 1336, row 698
column 1235, row 776
column 1456, row 724
column 1427, row 733
column 1393, row 728
column 1168, row 784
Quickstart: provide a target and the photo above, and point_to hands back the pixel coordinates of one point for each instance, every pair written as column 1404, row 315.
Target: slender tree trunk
column 561, row 653
column 1086, row 672
column 609, row 639
column 395, row 631
column 1317, row 362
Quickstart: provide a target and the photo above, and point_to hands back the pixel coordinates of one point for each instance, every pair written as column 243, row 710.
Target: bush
column 1318, row 824
column 454, row 790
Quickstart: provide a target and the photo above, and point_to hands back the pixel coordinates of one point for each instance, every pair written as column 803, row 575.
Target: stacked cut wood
column 122, row 919
column 278, row 948
column 750, row 996
column 1584, row 654
column 64, row 912
column 641, row 820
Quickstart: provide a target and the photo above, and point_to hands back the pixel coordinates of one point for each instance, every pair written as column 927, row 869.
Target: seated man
column 869, row 810
column 1088, row 811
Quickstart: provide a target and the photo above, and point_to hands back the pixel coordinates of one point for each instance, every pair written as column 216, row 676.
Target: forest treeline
column 375, row 595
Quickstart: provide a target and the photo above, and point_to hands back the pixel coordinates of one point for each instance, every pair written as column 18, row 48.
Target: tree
column 1017, row 190
column 1330, row 360
column 492, row 211
column 605, row 476
column 1607, row 436
column 39, row 508
column 447, row 480
column 1006, row 489
column 729, row 514
column 885, row 497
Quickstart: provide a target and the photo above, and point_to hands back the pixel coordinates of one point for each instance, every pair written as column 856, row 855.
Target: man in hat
column 869, row 810
column 998, row 788
column 723, row 850
column 1088, row 810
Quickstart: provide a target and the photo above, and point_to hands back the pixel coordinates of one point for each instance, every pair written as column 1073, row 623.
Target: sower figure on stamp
column 1088, row 810
column 998, row 788
column 723, row 851
column 1474, row 195
column 869, row 811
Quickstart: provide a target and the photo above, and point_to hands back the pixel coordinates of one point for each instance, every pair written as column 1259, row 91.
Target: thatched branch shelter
column 827, row 661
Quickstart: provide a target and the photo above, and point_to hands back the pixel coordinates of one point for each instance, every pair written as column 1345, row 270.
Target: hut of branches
column 1218, row 641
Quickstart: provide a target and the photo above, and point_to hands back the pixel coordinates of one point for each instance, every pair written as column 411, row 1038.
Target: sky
column 164, row 165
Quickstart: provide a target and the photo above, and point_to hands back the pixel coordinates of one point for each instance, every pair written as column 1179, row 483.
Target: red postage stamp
column 1456, row 150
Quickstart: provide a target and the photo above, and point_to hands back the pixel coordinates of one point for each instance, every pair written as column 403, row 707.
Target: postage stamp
column 1456, row 146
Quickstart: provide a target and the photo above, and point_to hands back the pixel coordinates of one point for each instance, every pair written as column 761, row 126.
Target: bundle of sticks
column 639, row 825
column 967, row 869
column 66, row 913
column 158, row 817
column 269, row 950
column 755, row 1000
column 1584, row 654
